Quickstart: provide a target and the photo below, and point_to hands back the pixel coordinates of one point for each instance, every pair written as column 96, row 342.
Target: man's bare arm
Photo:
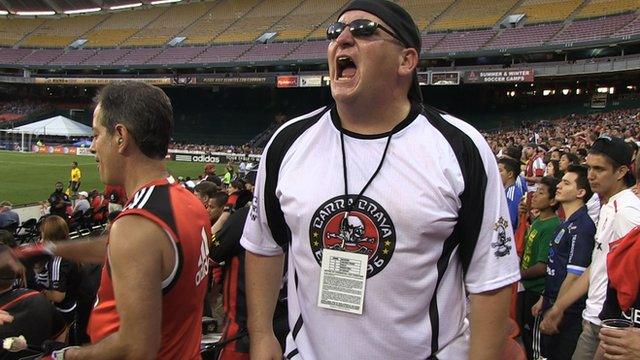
column 136, row 263
column 93, row 250
column 264, row 276
column 489, row 314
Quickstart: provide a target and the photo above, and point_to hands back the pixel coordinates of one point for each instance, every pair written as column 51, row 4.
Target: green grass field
column 28, row 178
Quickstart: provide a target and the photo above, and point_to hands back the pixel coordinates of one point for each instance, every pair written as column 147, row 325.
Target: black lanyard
column 344, row 172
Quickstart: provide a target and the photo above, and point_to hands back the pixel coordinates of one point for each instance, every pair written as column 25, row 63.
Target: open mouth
column 346, row 68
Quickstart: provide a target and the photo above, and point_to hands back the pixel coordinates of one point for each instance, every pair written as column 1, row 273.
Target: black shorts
column 74, row 186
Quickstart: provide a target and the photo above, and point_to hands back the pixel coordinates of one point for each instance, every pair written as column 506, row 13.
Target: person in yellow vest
column 76, row 175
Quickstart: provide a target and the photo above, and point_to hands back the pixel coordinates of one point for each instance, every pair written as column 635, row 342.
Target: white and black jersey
column 434, row 223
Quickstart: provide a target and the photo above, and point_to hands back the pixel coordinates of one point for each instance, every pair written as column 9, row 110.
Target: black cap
column 613, row 147
column 400, row 21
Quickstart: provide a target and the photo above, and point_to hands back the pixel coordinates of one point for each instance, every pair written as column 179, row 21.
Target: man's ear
column 123, row 137
column 409, row 62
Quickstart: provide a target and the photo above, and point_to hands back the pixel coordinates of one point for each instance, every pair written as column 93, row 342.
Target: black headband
column 400, row 21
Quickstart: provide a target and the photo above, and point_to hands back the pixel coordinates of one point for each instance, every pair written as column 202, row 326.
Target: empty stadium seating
column 220, row 54
column 169, row 24
column 106, row 57
column 139, row 56
column 469, row 14
column 306, row 18
column 177, row 55
column 607, row 7
column 592, row 29
column 257, row 21
column 120, row 26
column 267, row 52
column 216, row 20
column 40, row 57
column 12, row 56
column 310, row 50
column 61, row 32
column 425, row 11
column 631, row 28
column 73, row 57
column 430, row 40
column 463, row 41
column 223, row 31
column 12, row 30
column 534, row 35
column 538, row 11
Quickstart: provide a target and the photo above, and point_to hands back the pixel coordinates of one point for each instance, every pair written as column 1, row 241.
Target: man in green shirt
column 533, row 267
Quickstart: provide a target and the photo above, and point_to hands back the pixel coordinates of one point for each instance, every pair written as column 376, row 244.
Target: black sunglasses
column 358, row 28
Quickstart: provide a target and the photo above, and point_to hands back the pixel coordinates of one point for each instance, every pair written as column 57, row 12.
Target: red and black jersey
column 227, row 249
column 183, row 217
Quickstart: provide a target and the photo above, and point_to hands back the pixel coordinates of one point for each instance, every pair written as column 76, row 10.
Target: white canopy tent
column 55, row 126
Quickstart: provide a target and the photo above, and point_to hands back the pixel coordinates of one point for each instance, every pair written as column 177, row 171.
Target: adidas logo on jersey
column 203, row 260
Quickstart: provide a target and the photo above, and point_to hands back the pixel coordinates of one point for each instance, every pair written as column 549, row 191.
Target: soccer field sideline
column 27, row 178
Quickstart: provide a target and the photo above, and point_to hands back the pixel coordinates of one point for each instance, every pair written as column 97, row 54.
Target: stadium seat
column 463, row 41
column 13, row 30
column 533, row 35
column 469, row 14
column 306, row 18
column 118, row 27
column 592, row 29
column 256, row 22
column 217, row 20
column 164, row 28
column 538, row 11
column 61, row 32
column 425, row 11
column 28, row 231
column 608, row 7
column 632, row 28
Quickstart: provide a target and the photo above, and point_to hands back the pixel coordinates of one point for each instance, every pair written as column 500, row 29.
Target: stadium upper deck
column 222, row 31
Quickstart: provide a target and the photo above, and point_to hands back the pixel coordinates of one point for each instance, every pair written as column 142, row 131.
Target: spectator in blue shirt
column 569, row 256
column 509, row 171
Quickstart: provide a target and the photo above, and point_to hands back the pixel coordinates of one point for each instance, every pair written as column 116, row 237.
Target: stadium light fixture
column 125, row 6
column 160, row 2
column 566, row 91
column 612, row 90
column 602, row 90
column 4, row 12
column 82, row 11
column 578, row 91
column 35, row 13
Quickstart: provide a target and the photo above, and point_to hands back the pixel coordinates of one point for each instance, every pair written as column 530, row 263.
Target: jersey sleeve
column 59, row 274
column 626, row 219
column 257, row 236
column 487, row 249
column 582, row 244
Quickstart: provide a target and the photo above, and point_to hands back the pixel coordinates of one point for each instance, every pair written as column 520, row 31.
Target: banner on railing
column 214, row 158
column 499, row 76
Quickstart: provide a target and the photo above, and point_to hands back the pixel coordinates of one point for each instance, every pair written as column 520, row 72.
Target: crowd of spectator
column 23, row 107
column 574, row 206
column 206, row 148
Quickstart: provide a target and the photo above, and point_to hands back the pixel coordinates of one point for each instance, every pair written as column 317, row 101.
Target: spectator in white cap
column 82, row 203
